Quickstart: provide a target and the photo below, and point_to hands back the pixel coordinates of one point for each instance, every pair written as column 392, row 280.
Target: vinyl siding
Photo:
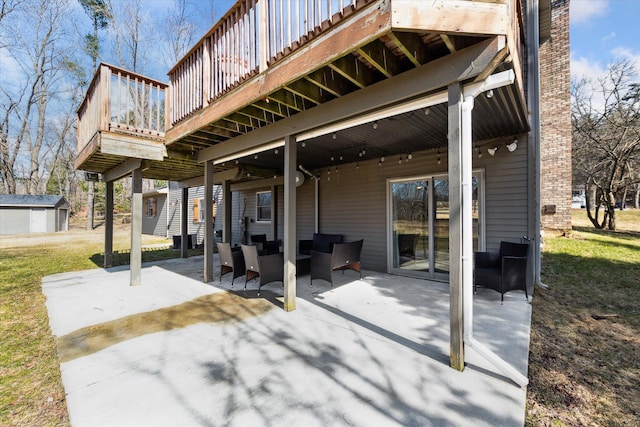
column 156, row 225
column 175, row 206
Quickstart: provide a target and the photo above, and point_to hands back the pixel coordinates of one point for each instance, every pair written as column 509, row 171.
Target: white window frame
column 258, row 207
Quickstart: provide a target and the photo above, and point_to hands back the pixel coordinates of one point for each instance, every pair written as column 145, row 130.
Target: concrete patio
column 176, row 351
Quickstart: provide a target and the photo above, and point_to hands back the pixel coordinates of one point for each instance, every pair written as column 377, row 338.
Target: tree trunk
column 611, row 210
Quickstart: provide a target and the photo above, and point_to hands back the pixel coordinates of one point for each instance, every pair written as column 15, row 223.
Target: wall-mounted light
column 409, row 156
column 512, row 147
column 334, row 136
column 304, row 144
column 375, row 125
column 492, row 151
column 427, row 111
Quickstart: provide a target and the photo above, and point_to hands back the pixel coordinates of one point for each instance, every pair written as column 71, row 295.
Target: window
column 263, row 206
column 152, row 206
column 198, row 209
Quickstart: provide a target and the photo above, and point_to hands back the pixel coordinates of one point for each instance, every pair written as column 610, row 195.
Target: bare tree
column 606, row 140
column 179, row 31
column 37, row 40
column 98, row 12
column 134, row 35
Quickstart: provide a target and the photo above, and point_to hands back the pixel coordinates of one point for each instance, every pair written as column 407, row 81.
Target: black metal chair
column 504, row 271
column 345, row 256
column 269, row 268
column 230, row 261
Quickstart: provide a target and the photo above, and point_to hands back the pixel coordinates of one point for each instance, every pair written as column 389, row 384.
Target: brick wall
column 555, row 121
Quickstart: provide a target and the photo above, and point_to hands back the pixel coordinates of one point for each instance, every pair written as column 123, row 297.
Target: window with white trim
column 152, row 207
column 263, row 206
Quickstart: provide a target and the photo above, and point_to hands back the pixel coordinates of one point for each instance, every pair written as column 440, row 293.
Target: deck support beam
column 184, row 223
column 290, row 162
column 108, row 225
column 208, row 221
column 226, row 203
column 456, row 344
column 274, row 212
column 136, row 228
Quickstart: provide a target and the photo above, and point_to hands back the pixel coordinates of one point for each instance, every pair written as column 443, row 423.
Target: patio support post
column 290, row 161
column 108, row 225
column 456, row 344
column 226, row 203
column 467, row 215
column 208, row 221
column 136, row 227
column 274, row 212
column 184, row 223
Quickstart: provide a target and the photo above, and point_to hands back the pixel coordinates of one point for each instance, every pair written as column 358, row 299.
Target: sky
column 603, row 32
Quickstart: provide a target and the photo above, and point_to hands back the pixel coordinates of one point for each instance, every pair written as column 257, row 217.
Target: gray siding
column 156, row 225
column 353, row 201
column 174, row 211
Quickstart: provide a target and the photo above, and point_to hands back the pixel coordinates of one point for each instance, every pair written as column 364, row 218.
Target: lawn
column 584, row 361
column 31, row 390
column 585, row 351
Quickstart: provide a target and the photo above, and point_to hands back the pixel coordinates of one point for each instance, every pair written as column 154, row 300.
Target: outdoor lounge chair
column 345, row 256
column 504, row 271
column 230, row 261
column 269, row 268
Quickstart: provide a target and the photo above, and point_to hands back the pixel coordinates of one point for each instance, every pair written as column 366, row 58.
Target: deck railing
column 253, row 34
column 119, row 100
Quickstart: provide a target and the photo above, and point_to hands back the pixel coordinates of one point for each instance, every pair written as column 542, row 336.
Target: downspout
column 533, row 43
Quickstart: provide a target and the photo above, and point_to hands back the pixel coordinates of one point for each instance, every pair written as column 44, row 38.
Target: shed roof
column 23, row 200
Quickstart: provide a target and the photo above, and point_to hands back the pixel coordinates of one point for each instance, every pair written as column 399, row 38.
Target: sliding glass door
column 418, row 221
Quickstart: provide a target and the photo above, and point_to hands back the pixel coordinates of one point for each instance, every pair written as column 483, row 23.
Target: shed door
column 38, row 220
column 63, row 217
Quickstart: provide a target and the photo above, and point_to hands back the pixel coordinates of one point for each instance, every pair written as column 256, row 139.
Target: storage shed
column 21, row 214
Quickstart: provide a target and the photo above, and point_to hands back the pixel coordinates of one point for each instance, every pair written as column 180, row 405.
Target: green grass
column 584, row 365
column 31, row 391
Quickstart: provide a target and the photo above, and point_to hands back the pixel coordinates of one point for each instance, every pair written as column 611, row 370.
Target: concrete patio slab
column 176, row 351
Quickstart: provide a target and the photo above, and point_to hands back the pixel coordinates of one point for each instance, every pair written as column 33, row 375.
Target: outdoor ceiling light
column 375, row 124
column 512, row 147
column 490, row 93
column 492, row 151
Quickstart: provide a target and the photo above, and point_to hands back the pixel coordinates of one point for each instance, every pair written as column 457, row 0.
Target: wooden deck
column 267, row 61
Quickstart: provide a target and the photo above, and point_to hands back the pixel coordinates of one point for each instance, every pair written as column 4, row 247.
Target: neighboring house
column 444, row 120
column 21, row 214
column 162, row 214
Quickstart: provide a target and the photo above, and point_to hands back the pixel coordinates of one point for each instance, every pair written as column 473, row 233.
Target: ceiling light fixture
column 490, row 93
column 375, row 125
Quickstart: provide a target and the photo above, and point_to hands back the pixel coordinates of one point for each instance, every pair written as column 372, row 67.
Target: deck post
column 263, row 31
column 226, row 203
column 108, row 225
column 208, row 221
column 274, row 212
column 456, row 352
column 184, row 223
column 290, row 161
column 136, row 227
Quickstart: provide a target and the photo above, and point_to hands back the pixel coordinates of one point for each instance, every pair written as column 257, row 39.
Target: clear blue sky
column 602, row 32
